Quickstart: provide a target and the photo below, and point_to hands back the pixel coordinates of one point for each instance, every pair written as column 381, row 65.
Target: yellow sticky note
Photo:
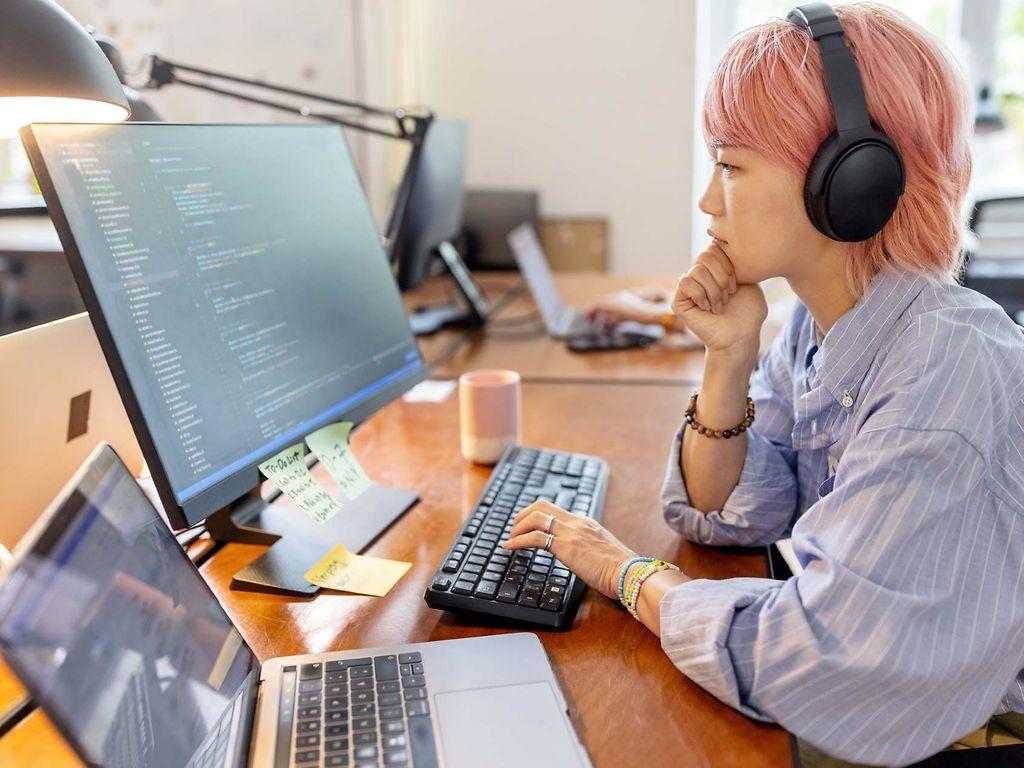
column 330, row 444
column 289, row 472
column 340, row 569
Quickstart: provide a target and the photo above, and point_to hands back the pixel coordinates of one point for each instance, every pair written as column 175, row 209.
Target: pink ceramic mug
column 490, row 414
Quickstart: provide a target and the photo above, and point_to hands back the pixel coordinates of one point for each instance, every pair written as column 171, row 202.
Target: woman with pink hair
column 883, row 431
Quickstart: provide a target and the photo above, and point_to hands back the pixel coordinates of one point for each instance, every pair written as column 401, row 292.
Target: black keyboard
column 528, row 585
column 355, row 713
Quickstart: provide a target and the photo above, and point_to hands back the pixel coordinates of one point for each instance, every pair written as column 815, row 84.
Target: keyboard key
column 364, row 710
column 530, row 597
column 341, row 676
column 386, row 667
column 421, row 743
column 508, row 592
column 396, row 758
column 451, row 566
column 336, row 702
column 311, row 671
column 336, row 716
column 475, row 570
column 331, row 761
column 362, row 684
column 486, row 589
column 337, row 729
column 307, row 686
column 392, row 727
column 463, row 587
column 394, row 742
column 363, row 697
column 391, row 713
column 364, row 737
column 336, row 745
column 441, row 584
column 392, row 686
column 393, row 699
column 360, row 672
column 308, row 726
column 415, row 693
column 310, row 740
column 362, row 661
column 308, row 756
column 364, row 723
column 551, row 602
column 309, row 699
column 417, row 669
column 365, row 753
column 417, row 708
column 413, row 681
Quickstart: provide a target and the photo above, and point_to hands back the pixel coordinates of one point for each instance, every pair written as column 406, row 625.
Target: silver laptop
column 57, row 400
column 561, row 321
column 120, row 641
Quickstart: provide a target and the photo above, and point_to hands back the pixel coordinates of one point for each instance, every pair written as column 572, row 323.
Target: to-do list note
column 289, row 472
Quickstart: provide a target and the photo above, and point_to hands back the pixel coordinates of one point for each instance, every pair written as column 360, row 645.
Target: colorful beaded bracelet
column 691, row 418
column 625, row 569
column 632, row 591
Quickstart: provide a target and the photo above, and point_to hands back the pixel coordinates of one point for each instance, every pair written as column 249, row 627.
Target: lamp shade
column 51, row 70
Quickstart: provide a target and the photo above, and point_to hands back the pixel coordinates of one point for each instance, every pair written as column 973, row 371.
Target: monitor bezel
column 57, row 513
column 240, row 482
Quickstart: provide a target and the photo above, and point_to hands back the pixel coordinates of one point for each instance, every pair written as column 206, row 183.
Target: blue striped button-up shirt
column 893, row 453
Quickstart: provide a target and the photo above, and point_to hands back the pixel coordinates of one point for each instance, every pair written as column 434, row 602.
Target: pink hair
column 768, row 94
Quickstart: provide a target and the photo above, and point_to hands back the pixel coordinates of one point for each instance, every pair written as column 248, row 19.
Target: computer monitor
column 242, row 298
column 434, row 213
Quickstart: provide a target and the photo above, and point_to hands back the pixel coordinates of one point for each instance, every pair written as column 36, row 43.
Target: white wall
column 589, row 101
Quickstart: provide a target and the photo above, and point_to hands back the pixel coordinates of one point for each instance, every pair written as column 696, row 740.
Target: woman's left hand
column 586, row 548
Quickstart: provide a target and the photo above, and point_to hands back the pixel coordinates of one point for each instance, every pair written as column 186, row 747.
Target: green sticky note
column 290, row 474
column 330, row 444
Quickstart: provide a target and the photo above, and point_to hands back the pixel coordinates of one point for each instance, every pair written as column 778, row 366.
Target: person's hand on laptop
column 648, row 305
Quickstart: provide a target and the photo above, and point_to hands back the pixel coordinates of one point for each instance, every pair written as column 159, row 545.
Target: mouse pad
column 510, row 726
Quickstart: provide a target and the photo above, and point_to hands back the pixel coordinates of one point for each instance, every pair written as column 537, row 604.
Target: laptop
column 563, row 322
column 57, row 400
column 123, row 645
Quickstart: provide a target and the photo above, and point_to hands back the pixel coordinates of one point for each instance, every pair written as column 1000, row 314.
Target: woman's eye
column 726, row 168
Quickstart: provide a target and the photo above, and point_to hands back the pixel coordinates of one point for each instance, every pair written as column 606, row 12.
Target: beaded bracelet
column 625, row 569
column 691, row 419
column 637, row 581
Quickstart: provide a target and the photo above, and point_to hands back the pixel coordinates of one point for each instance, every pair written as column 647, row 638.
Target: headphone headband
column 842, row 79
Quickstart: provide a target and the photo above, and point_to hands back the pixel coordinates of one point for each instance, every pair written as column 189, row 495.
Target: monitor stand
column 472, row 311
column 296, row 542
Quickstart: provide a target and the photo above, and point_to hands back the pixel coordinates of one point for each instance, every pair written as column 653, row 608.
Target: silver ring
column 548, row 541
column 549, row 523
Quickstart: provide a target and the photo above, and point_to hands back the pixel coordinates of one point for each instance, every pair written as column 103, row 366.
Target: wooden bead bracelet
column 691, row 419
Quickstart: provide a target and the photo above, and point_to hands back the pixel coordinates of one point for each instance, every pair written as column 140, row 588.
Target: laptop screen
column 534, row 267
column 117, row 636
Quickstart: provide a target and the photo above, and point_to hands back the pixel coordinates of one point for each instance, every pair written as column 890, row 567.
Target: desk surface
column 604, row 661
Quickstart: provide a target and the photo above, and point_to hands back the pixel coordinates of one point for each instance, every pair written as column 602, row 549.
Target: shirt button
column 847, row 400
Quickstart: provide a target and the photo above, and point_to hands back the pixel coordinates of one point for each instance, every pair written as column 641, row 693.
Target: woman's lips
column 716, row 238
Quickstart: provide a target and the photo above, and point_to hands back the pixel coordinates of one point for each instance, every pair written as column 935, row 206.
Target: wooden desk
column 630, row 705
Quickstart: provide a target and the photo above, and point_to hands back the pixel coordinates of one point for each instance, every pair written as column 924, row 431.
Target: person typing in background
column 883, row 430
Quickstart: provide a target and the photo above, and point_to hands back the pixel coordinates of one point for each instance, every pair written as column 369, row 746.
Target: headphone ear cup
column 817, row 171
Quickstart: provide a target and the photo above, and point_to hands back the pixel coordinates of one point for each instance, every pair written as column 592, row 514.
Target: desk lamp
column 51, row 70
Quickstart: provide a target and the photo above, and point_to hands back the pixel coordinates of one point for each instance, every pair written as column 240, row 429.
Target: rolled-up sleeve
column 879, row 654
column 763, row 503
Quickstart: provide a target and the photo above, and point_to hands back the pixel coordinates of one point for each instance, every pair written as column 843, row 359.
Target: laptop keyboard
column 356, row 713
column 528, row 585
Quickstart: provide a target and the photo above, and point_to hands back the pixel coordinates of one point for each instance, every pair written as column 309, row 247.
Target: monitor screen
column 238, row 287
column 117, row 636
column 435, row 207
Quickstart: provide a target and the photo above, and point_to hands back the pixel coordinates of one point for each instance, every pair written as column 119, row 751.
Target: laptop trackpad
column 505, row 727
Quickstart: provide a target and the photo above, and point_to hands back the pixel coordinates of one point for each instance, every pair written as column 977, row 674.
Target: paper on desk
column 430, row 391
column 342, row 570
column 330, row 444
column 290, row 474
column 785, row 547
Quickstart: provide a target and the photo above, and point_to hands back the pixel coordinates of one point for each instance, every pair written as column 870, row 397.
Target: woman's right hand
column 724, row 315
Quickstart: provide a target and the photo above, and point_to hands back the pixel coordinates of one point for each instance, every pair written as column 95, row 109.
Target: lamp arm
column 411, row 127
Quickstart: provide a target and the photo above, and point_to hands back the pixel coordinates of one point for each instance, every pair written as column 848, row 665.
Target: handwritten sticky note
column 289, row 472
column 330, row 444
column 340, row 569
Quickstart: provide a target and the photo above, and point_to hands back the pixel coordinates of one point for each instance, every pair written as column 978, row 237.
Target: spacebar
column 421, row 741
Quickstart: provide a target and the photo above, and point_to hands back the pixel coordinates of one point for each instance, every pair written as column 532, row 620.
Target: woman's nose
column 711, row 201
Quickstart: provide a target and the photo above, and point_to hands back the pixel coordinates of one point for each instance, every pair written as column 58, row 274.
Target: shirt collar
column 851, row 344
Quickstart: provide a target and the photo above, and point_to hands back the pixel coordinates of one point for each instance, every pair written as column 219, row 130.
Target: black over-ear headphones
column 856, row 177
